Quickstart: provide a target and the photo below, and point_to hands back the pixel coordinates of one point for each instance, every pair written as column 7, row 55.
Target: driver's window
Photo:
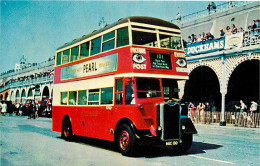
column 129, row 97
column 119, row 91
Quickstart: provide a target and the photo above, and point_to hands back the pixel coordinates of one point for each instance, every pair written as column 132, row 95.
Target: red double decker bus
column 117, row 84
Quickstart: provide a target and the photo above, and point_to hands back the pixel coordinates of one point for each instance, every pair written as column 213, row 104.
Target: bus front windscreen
column 148, row 88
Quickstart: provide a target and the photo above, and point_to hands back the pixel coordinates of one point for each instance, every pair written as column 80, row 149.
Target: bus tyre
column 66, row 132
column 186, row 143
column 126, row 141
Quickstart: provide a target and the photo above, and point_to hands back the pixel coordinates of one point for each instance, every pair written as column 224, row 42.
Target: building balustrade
column 203, row 13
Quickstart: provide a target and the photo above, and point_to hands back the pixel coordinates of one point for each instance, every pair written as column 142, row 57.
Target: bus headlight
column 183, row 127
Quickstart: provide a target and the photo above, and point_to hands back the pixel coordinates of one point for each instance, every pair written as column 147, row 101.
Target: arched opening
column 12, row 98
column 6, row 95
column 45, row 93
column 17, row 96
column 30, row 93
column 1, row 97
column 203, row 86
column 23, row 95
column 244, row 84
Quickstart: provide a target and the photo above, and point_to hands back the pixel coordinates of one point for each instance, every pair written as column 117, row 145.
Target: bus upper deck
column 132, row 45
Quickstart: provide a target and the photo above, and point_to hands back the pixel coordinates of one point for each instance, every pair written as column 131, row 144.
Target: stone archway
column 243, row 83
column 202, row 86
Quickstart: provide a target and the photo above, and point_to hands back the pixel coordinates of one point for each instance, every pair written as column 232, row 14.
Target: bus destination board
column 160, row 61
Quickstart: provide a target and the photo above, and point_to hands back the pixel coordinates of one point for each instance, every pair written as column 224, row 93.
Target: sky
column 36, row 29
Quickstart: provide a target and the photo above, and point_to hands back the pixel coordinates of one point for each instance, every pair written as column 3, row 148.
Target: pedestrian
column 21, row 107
column 253, row 109
column 4, row 108
column 33, row 110
column 234, row 29
column 243, row 113
column 202, row 113
column 29, row 110
column 208, row 7
column 198, row 108
column 228, row 31
column 178, row 17
column 214, row 7
column 208, row 113
column 222, row 33
column 12, row 108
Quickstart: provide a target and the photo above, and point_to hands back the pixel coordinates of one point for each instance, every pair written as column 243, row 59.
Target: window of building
column 65, row 56
column 122, row 37
column 84, row 50
column 64, row 98
column 58, row 60
column 74, row 53
column 107, row 96
column 95, row 46
column 72, row 98
column 93, row 97
column 82, row 97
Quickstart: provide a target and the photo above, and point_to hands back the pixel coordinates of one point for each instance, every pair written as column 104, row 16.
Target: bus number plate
column 170, row 143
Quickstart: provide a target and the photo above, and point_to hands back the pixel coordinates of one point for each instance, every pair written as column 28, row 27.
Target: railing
column 244, row 119
column 220, row 8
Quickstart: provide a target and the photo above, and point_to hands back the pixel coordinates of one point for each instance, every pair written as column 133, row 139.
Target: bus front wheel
column 126, row 141
column 66, row 132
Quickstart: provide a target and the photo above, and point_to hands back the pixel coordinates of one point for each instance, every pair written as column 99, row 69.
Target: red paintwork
column 99, row 121
column 125, row 64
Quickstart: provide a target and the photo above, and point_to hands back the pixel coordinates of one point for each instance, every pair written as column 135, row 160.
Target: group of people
column 243, row 110
column 212, row 7
column 30, row 109
column 252, row 29
column 201, row 112
column 201, row 37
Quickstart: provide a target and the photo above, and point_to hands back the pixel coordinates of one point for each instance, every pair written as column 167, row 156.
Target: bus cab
column 118, row 84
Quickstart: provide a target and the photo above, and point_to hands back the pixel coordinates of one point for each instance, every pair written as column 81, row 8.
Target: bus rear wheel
column 66, row 132
column 126, row 141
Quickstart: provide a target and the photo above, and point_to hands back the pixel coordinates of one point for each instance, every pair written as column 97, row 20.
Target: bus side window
column 106, row 95
column 93, row 97
column 84, row 50
column 129, row 97
column 95, row 46
column 64, row 98
column 74, row 54
column 82, row 97
column 58, row 60
column 119, row 91
column 65, row 56
column 72, row 97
